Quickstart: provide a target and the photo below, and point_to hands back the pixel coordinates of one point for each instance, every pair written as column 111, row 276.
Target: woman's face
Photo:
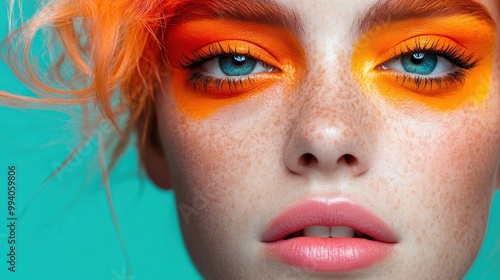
column 379, row 117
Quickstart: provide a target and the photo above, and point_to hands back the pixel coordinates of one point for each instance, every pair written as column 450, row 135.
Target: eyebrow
column 267, row 12
column 387, row 11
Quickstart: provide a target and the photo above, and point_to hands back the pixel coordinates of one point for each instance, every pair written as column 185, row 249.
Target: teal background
column 66, row 230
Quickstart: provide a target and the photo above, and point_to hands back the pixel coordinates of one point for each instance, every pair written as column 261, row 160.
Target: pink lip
column 329, row 254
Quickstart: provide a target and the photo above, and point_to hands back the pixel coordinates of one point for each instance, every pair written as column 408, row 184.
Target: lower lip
column 330, row 254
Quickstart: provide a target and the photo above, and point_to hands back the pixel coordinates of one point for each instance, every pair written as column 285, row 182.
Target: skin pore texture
column 329, row 121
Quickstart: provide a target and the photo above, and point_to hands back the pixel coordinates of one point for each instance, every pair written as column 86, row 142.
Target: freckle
column 419, row 240
column 398, row 204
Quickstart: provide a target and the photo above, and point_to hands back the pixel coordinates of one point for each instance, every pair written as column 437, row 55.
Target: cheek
column 463, row 169
column 210, row 160
column 449, row 186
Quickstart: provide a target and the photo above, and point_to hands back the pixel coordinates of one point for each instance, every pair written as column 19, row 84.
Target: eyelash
column 198, row 58
column 453, row 53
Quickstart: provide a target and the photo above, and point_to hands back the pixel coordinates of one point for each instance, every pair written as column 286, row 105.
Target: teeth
column 341, row 232
column 322, row 231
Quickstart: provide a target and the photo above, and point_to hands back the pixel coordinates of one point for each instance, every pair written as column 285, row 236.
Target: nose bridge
column 332, row 126
column 332, row 99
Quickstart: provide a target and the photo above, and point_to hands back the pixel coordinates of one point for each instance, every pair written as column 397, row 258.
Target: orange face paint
column 271, row 45
column 382, row 43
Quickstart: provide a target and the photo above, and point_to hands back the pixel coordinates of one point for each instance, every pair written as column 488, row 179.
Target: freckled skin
column 428, row 174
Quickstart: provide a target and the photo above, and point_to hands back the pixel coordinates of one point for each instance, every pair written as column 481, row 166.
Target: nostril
column 307, row 159
column 349, row 159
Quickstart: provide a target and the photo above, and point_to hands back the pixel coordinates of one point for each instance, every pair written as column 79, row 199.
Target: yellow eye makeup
column 440, row 62
column 215, row 63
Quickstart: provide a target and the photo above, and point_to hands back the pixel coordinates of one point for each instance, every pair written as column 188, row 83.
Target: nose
column 331, row 134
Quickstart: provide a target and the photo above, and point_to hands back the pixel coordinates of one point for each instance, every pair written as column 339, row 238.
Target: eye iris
column 419, row 63
column 237, row 65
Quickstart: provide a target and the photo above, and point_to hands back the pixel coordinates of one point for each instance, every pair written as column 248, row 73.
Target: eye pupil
column 237, row 65
column 417, row 58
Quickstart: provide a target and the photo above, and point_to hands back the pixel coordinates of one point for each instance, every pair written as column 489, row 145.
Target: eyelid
column 230, row 87
column 423, row 43
column 194, row 59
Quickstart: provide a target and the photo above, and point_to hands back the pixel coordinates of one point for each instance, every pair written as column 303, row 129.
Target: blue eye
column 237, row 65
column 234, row 66
column 419, row 63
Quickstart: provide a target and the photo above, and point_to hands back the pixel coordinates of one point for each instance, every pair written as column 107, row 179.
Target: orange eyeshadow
column 273, row 46
column 473, row 38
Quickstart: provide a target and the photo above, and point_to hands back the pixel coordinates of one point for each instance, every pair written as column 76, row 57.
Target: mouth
column 329, row 235
column 329, row 232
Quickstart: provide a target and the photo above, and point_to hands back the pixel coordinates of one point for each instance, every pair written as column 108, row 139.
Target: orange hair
column 109, row 47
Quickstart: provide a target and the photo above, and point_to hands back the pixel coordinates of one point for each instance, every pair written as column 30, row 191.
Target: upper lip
column 328, row 212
